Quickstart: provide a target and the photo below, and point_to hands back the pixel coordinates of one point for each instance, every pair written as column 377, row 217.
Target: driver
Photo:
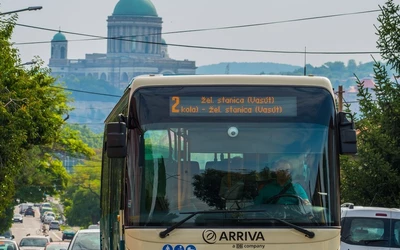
column 275, row 191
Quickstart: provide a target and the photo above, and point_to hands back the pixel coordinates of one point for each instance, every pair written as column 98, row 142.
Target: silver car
column 37, row 242
column 48, row 219
column 18, row 218
column 87, row 239
column 54, row 225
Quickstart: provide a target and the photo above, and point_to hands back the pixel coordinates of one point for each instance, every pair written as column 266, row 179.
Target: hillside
column 247, row 68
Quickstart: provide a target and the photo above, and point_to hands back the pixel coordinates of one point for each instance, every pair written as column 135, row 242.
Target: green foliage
column 388, row 34
column 337, row 72
column 32, row 111
column 93, row 140
column 40, row 177
column 91, row 85
column 372, row 178
column 82, row 198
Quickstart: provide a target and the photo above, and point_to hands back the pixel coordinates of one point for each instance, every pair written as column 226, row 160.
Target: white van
column 370, row 228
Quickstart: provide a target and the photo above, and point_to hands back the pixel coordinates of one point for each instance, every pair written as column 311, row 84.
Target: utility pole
column 340, row 98
column 305, row 61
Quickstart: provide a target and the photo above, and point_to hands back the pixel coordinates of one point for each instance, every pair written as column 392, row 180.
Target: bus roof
column 187, row 80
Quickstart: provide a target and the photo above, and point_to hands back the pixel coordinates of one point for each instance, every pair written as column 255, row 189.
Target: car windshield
column 33, row 242
column 7, row 245
column 57, row 246
column 87, row 241
column 6, row 234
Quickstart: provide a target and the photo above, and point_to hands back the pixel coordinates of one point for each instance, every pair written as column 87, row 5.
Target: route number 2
column 176, row 101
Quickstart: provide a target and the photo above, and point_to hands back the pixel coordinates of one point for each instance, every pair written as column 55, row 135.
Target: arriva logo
column 210, row 236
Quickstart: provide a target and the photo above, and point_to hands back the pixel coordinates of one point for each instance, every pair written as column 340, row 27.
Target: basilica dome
column 135, row 8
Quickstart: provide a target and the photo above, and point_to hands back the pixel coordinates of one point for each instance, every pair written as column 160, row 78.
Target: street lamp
column 27, row 63
column 26, row 9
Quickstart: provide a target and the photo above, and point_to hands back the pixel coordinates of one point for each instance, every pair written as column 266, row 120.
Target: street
column 30, row 226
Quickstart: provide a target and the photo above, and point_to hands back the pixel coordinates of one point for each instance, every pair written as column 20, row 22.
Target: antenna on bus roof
column 305, row 61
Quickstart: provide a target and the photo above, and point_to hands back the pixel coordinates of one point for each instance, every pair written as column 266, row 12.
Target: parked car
column 54, row 225
column 68, row 234
column 7, row 235
column 94, row 226
column 18, row 218
column 34, row 242
column 59, row 245
column 370, row 228
column 47, row 213
column 88, row 239
column 29, row 211
column 24, row 206
column 43, row 210
column 48, row 219
column 8, row 245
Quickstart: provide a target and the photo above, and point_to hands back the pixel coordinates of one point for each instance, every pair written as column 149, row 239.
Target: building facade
column 134, row 47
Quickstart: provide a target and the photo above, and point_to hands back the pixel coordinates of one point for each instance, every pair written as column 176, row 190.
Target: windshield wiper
column 366, row 242
column 165, row 233
column 308, row 234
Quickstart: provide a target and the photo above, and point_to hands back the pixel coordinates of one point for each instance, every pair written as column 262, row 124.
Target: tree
column 372, row 178
column 32, row 112
column 82, row 198
column 336, row 66
column 352, row 65
column 93, row 140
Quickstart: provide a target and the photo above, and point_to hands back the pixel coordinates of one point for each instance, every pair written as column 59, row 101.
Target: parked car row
column 85, row 239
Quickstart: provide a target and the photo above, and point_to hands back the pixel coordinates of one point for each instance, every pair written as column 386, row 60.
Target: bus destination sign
column 232, row 106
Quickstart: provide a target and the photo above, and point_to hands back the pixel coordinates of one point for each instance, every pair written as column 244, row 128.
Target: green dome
column 163, row 41
column 59, row 37
column 135, row 8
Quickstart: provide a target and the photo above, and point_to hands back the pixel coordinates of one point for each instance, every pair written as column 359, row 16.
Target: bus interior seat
column 217, row 165
column 211, row 165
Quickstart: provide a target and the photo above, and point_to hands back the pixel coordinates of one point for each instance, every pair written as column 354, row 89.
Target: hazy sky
column 347, row 33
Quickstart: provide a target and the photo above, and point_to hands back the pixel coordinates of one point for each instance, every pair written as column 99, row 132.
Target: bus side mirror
column 116, row 140
column 347, row 134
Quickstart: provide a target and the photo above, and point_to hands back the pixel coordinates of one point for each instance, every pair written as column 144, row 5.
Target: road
column 31, row 226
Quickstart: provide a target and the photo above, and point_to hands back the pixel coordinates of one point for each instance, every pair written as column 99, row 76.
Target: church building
column 134, row 47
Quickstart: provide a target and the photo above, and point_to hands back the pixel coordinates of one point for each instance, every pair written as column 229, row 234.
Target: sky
column 345, row 33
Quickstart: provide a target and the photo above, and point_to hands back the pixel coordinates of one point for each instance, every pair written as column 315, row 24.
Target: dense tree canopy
column 32, row 113
column 82, row 197
column 373, row 177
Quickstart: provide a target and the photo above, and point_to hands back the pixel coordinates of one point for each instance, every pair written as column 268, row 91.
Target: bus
column 189, row 162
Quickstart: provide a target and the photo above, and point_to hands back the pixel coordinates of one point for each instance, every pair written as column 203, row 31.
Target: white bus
column 224, row 162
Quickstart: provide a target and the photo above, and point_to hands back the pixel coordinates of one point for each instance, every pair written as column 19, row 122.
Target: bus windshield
column 233, row 150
